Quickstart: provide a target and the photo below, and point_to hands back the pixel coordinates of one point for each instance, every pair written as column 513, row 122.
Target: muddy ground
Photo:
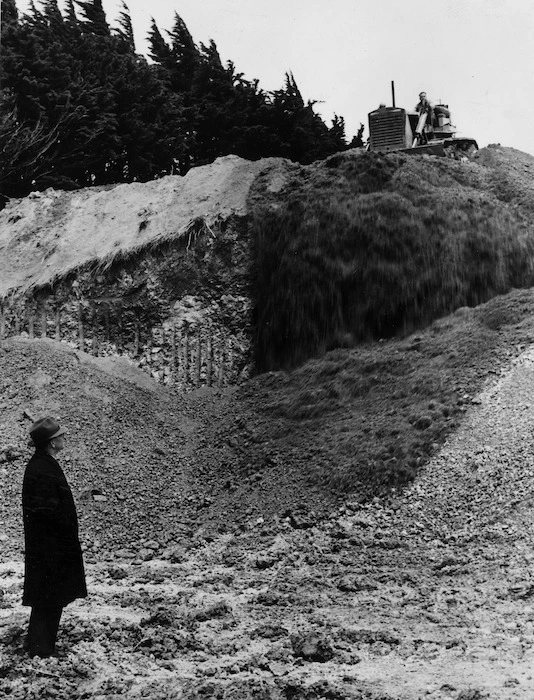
column 221, row 565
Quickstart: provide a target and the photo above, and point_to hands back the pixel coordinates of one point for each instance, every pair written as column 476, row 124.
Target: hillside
column 263, row 265
column 356, row 527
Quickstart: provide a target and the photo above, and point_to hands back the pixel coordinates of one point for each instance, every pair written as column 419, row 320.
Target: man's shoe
column 41, row 654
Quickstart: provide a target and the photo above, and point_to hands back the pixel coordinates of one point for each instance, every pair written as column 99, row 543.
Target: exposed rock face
column 182, row 311
column 157, row 272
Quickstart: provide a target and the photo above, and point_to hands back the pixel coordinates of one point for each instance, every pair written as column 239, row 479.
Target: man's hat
column 44, row 430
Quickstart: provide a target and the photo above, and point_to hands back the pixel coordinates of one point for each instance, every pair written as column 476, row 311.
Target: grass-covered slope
column 364, row 419
column 366, row 246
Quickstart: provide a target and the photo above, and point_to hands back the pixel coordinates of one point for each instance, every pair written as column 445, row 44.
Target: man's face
column 58, row 443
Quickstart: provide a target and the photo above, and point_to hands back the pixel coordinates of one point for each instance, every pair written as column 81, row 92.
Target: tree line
column 79, row 106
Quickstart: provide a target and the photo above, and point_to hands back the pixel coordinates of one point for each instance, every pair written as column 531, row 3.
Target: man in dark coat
column 54, row 573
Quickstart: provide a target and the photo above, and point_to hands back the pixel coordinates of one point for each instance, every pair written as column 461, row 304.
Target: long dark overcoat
column 54, row 573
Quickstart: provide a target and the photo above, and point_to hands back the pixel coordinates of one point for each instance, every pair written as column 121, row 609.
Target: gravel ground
column 423, row 592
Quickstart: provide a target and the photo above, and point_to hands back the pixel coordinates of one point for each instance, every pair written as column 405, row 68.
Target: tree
column 301, row 133
column 28, row 153
column 95, row 17
column 71, row 20
column 10, row 15
column 159, row 51
column 357, row 141
column 106, row 115
column 337, row 130
column 185, row 57
column 125, row 29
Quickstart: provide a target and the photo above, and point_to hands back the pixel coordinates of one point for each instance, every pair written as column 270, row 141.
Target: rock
column 312, row 647
column 265, row 561
column 11, row 454
column 218, row 609
column 268, row 631
column 176, row 554
column 449, row 563
column 347, row 657
column 340, row 531
column 301, row 520
column 471, row 694
column 117, row 573
column 162, row 618
column 270, row 598
column 366, row 636
column 210, row 671
column 351, row 584
column 277, row 668
column 27, row 414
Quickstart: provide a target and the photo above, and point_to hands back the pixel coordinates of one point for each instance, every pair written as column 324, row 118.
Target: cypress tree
column 53, row 15
column 85, row 109
column 10, row 15
column 71, row 20
column 125, row 30
column 159, row 50
column 357, row 141
column 95, row 17
column 185, row 57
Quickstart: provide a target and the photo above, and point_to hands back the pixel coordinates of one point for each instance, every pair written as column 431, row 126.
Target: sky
column 477, row 56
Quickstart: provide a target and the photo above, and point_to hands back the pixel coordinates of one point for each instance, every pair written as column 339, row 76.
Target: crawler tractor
column 428, row 133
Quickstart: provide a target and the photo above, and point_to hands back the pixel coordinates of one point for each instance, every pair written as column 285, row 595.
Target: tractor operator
column 425, row 105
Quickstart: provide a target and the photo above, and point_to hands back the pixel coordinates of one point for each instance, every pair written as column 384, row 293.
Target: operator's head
column 422, row 95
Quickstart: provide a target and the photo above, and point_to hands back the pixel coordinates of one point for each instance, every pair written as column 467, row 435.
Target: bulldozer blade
column 429, row 149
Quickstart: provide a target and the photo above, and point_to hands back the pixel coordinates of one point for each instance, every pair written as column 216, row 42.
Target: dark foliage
column 80, row 107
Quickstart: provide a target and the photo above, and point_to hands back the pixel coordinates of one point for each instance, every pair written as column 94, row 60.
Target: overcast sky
column 477, row 56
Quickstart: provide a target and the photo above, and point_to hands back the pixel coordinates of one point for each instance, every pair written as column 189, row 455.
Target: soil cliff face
column 51, row 233
column 193, row 277
column 156, row 272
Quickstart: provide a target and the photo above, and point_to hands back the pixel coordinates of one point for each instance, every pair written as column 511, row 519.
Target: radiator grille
column 387, row 130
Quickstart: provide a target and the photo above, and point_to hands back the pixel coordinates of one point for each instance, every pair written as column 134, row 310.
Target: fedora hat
column 44, row 430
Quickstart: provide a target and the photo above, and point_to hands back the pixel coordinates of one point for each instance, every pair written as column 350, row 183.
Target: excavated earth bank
column 223, row 562
column 157, row 272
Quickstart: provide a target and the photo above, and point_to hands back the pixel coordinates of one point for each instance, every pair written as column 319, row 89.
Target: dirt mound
column 511, row 175
column 146, row 463
column 48, row 234
column 127, row 457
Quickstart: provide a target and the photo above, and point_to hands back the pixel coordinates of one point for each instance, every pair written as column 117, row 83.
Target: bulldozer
column 427, row 132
